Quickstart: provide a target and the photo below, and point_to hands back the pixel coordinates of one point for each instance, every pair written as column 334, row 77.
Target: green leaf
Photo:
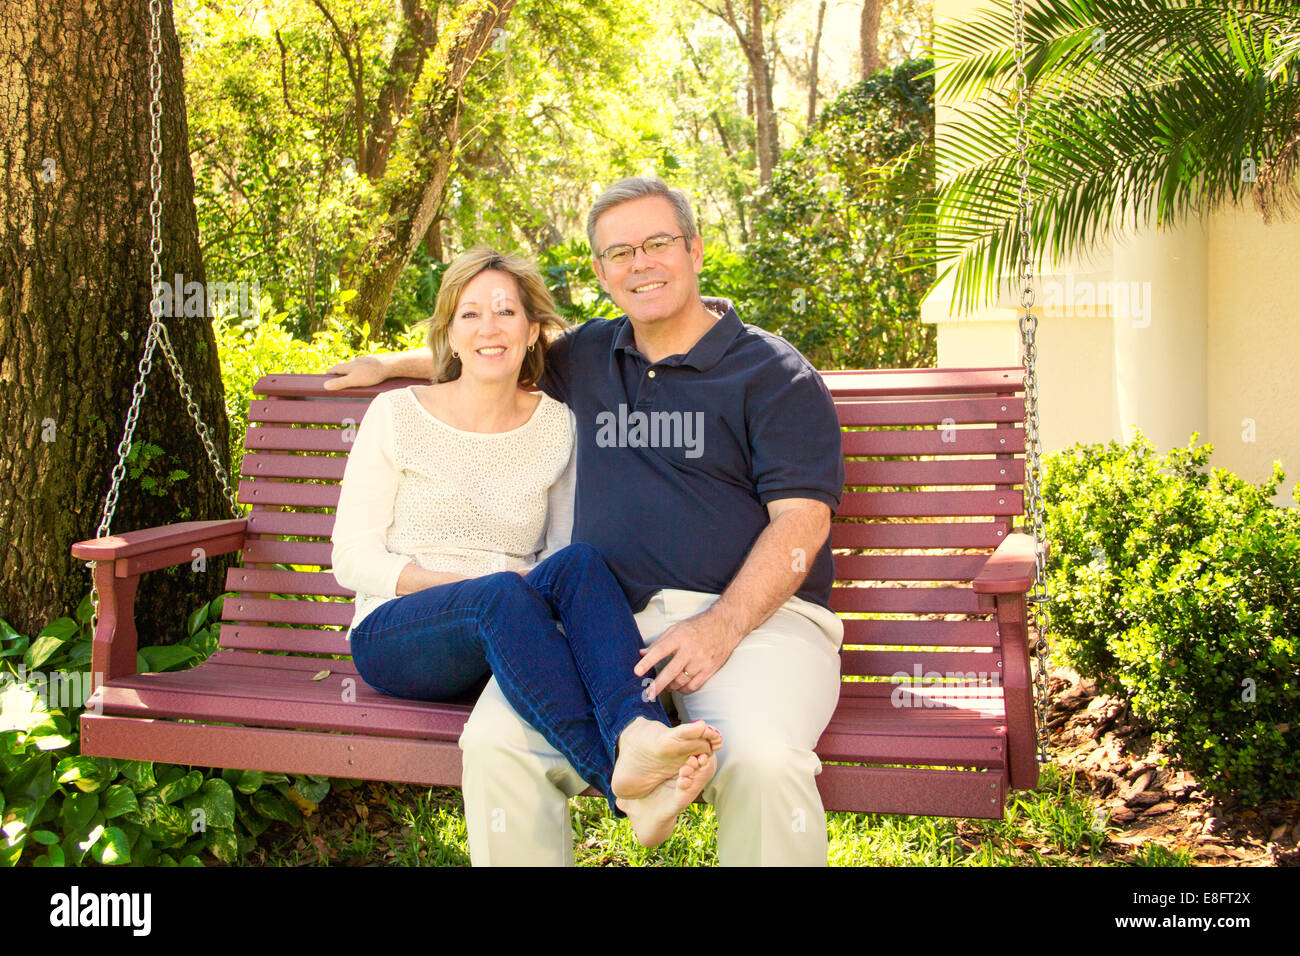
column 197, row 619
column 47, row 736
column 14, row 830
column 51, row 857
column 140, row 772
column 166, row 656
column 49, row 641
column 9, row 854
column 221, row 843
column 217, row 801
column 179, row 789
column 78, row 809
column 312, row 790
column 92, row 838
column 119, row 799
column 169, row 825
column 112, row 849
column 32, row 779
column 249, row 781
column 83, row 771
column 44, row 837
column 273, row 808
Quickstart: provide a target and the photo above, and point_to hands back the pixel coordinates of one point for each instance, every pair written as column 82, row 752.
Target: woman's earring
column 455, row 354
column 530, row 348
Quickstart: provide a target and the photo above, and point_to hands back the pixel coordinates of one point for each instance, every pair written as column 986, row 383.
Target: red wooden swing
column 918, row 744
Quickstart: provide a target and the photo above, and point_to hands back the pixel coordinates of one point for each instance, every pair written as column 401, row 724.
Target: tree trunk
column 869, row 38
column 752, row 44
column 74, row 307
column 812, row 67
column 416, row 200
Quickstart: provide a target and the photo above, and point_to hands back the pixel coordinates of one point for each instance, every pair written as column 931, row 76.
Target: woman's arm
column 361, row 559
column 559, row 500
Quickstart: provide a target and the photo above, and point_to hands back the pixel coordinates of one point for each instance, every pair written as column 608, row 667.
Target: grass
column 1055, row 825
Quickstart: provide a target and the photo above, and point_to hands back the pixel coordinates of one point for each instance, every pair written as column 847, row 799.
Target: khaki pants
column 771, row 700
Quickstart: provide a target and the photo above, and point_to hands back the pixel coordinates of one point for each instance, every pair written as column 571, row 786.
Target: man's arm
column 373, row 369
column 773, row 570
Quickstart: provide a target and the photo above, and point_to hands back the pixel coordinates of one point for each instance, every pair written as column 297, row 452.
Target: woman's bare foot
column 654, row 815
column 650, row 753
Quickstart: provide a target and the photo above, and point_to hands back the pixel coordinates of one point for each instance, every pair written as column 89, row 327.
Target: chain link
column 157, row 330
column 1036, row 607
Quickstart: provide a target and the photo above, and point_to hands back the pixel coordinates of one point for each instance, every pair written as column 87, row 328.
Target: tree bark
column 74, row 306
column 812, row 68
column 415, row 201
column 869, row 38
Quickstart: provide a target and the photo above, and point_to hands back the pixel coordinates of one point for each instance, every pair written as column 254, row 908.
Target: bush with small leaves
column 1178, row 587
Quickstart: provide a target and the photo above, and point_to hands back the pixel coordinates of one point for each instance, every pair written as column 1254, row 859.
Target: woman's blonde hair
column 538, row 307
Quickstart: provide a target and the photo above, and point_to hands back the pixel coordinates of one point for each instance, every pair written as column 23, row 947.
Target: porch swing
column 898, row 741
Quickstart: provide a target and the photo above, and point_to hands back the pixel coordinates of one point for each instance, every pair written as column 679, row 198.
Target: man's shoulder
column 596, row 331
column 767, row 352
column 587, row 338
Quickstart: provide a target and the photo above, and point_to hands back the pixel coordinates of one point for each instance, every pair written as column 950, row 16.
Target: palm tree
column 1136, row 106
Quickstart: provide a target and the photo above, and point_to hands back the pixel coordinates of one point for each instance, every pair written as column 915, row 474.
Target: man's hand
column 360, row 371
column 698, row 647
column 373, row 369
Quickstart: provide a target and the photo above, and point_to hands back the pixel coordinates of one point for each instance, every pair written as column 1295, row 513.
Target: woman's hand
column 415, row 578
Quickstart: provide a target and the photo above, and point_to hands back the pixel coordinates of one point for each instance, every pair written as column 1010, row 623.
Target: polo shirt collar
column 705, row 353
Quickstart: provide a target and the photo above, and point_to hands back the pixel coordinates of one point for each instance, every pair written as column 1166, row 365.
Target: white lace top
column 470, row 503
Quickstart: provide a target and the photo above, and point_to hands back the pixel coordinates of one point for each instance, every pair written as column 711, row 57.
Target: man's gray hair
column 638, row 187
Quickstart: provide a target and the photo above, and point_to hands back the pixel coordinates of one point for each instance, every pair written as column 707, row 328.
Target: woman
column 450, row 492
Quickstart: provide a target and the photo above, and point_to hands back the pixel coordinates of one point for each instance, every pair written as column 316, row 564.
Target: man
column 709, row 464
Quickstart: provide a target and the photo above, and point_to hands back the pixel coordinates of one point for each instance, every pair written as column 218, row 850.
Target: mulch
column 1114, row 759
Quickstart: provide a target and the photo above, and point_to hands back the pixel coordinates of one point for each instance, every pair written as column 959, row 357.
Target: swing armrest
column 136, row 552
column 1009, row 570
column 1001, row 585
column 119, row 562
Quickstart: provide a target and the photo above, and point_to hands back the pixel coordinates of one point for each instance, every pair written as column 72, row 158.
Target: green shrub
column 1179, row 588
column 257, row 347
column 821, row 266
column 59, row 808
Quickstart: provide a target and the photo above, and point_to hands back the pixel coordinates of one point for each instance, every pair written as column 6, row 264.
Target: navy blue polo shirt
column 677, row 460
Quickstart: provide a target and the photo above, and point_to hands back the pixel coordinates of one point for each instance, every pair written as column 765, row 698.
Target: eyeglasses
column 654, row 246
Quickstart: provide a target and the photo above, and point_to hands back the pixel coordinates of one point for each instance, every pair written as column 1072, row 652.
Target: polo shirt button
column 651, row 373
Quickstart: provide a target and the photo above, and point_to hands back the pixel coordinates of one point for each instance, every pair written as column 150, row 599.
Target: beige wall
column 1215, row 351
column 1254, row 346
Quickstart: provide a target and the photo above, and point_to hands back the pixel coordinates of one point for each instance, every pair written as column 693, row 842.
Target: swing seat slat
column 935, row 714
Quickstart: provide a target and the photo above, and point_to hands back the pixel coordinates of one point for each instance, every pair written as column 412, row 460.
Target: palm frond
column 1163, row 119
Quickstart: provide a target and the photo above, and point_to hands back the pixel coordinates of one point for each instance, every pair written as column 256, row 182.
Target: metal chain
column 1036, row 606
column 157, row 330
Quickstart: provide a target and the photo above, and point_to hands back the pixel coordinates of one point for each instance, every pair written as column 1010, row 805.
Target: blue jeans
column 574, row 684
